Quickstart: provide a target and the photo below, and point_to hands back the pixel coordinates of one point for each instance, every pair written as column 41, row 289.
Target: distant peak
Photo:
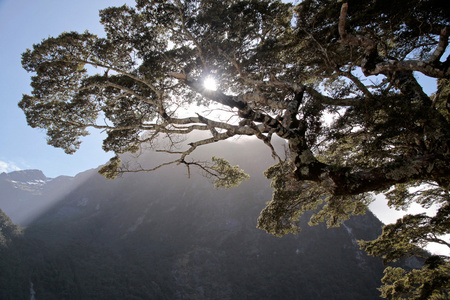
column 25, row 175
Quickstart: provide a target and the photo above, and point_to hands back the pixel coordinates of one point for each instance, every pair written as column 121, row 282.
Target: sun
column 210, row 83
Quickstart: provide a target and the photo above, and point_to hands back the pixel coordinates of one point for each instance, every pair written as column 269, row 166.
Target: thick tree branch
column 120, row 71
column 373, row 65
column 358, row 83
column 342, row 181
column 443, row 43
column 354, row 40
column 189, row 34
column 332, row 101
column 290, row 115
column 426, row 68
column 244, row 110
column 260, row 99
column 408, row 85
column 272, row 83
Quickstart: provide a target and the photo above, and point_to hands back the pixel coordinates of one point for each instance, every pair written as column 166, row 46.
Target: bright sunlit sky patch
column 210, row 83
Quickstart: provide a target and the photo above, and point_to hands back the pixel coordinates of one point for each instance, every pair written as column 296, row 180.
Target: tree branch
column 272, row 83
column 244, row 110
column 425, row 67
column 443, row 43
column 190, row 36
column 354, row 40
column 372, row 64
column 332, row 101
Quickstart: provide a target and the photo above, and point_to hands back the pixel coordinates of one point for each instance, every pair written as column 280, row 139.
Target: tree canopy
column 336, row 80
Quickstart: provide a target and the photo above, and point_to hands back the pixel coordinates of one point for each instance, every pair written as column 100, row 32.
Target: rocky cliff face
column 164, row 236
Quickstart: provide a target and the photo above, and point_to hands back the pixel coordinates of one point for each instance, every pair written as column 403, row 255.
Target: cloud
column 8, row 167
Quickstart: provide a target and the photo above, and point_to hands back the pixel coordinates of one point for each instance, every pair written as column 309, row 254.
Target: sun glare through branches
column 210, row 83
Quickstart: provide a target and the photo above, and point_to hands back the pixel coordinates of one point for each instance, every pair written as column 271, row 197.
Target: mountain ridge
column 24, row 175
column 161, row 235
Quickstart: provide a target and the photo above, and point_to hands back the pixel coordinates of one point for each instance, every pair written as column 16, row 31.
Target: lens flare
column 210, row 83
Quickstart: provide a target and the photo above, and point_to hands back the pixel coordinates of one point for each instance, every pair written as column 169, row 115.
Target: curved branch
column 354, row 40
column 127, row 74
column 438, row 241
column 341, row 181
column 332, row 101
column 358, row 83
column 189, row 35
column 244, row 110
column 427, row 68
column 372, row 65
column 443, row 43
column 272, row 83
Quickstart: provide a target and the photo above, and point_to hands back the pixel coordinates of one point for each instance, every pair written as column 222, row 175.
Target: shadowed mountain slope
column 161, row 235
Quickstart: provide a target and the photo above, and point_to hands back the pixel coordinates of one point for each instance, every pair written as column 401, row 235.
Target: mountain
column 27, row 193
column 162, row 235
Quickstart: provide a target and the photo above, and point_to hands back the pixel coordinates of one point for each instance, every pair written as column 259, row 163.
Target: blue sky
column 22, row 24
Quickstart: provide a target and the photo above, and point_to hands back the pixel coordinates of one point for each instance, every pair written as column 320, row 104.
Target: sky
column 27, row 22
column 22, row 24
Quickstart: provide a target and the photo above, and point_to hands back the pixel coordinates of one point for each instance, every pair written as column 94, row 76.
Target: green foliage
column 111, row 169
column 228, row 176
column 406, row 238
column 340, row 208
column 409, row 235
column 442, row 100
column 8, row 230
column 430, row 282
column 426, row 194
column 291, row 199
column 281, row 215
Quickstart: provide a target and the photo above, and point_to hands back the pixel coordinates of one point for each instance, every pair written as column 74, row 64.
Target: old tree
column 281, row 69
